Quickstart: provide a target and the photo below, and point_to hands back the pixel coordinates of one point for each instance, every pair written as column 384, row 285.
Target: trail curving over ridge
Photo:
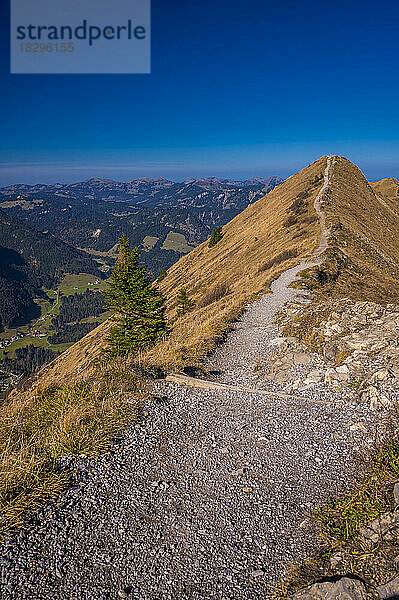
column 323, row 244
column 236, row 356
column 209, row 496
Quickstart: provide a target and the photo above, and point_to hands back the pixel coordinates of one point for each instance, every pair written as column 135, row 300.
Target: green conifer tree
column 215, row 237
column 139, row 308
column 184, row 303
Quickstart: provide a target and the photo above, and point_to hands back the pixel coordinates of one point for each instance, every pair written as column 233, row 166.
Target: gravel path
column 207, row 497
column 255, row 335
column 204, row 499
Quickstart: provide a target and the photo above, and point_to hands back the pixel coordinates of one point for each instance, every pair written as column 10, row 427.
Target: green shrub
column 290, row 221
column 298, row 206
column 184, row 303
column 309, row 220
column 215, row 237
column 317, row 179
column 162, row 274
column 303, row 195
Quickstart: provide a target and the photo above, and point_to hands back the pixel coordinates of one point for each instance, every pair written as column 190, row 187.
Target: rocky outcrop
column 344, row 588
column 357, row 344
column 384, row 528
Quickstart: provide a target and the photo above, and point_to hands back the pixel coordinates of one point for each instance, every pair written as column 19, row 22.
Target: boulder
column 282, row 376
column 314, row 376
column 340, row 374
column 302, row 358
column 331, row 350
column 389, row 590
column 380, row 375
column 385, row 527
column 344, row 588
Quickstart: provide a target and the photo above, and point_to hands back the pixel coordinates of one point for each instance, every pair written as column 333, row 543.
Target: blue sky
column 238, row 89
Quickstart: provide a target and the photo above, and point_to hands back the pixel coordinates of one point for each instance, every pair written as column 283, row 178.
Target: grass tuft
column 339, row 522
column 81, row 418
column 277, row 260
column 218, row 291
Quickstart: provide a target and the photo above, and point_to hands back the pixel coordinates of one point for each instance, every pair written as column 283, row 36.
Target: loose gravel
column 208, row 496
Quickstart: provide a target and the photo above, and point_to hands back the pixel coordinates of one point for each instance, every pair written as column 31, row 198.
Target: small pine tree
column 184, row 303
column 139, row 308
column 317, row 178
column 215, row 237
column 162, row 274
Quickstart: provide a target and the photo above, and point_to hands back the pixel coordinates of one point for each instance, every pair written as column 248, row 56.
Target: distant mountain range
column 148, row 192
column 360, row 263
column 167, row 219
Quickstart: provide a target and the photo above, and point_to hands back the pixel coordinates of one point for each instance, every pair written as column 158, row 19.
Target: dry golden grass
column 267, row 238
column 244, row 262
column 363, row 259
column 254, row 237
column 35, row 430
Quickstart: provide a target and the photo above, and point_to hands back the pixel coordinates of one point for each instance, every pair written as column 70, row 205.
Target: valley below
column 165, row 219
column 25, row 348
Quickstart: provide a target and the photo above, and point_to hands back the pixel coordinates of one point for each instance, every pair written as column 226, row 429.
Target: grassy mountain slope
column 265, row 239
column 363, row 259
column 260, row 243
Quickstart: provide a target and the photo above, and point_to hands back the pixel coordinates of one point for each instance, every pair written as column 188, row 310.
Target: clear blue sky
column 238, row 88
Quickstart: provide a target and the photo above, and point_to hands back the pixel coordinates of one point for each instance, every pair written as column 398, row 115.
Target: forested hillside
column 29, row 261
column 166, row 218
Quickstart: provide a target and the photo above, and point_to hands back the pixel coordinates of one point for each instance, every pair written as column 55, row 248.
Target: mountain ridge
column 132, row 184
column 269, row 236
